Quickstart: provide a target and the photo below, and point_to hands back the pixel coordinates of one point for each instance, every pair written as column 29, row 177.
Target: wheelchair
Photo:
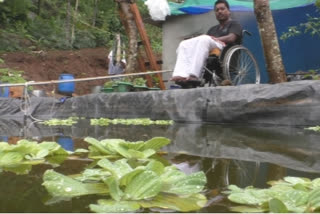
column 234, row 65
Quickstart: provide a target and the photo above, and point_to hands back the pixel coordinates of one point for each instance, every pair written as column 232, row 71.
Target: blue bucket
column 66, row 87
column 4, row 139
column 66, row 143
column 4, row 91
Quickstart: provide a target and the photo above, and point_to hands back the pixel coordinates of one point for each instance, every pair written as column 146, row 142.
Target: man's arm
column 230, row 38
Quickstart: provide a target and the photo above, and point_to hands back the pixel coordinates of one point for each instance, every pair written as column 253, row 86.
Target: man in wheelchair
column 192, row 54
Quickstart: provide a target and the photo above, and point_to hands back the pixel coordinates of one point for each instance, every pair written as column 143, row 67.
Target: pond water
column 240, row 155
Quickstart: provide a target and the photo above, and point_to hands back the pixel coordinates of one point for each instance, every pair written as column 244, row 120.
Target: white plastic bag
column 158, row 9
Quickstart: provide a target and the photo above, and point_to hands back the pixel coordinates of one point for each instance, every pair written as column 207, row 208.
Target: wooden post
column 146, row 42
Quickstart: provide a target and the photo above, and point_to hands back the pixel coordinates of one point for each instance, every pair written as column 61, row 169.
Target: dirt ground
column 48, row 65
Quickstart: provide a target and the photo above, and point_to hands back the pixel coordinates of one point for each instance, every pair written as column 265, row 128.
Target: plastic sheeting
column 204, row 6
column 289, row 147
column 295, row 104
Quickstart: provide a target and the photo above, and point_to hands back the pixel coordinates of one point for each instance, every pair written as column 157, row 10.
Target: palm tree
column 270, row 44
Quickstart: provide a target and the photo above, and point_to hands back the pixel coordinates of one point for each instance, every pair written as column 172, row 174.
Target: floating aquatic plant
column 292, row 194
column 116, row 148
column 130, row 189
column 314, row 128
column 19, row 158
column 61, row 122
column 136, row 121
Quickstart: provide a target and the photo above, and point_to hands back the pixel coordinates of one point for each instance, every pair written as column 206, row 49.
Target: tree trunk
column 270, row 42
column 39, row 7
column 74, row 17
column 68, row 18
column 95, row 12
column 128, row 18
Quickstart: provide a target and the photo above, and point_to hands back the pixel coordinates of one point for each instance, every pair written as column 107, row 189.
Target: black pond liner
column 248, row 126
column 290, row 104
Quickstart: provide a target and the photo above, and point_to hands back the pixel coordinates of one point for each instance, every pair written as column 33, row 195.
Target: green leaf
column 144, row 185
column 118, row 169
column 247, row 209
column 133, row 145
column 250, row 196
column 188, row 184
column 297, row 180
column 156, row 143
column 59, row 185
column 127, row 178
column 156, row 167
column 19, row 169
column 98, row 146
column 174, row 202
column 80, row 151
column 314, row 200
column 114, row 188
column 316, row 183
column 10, row 158
column 42, row 153
column 277, row 206
column 108, row 206
column 94, row 175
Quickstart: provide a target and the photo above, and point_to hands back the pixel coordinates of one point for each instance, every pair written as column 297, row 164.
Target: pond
column 240, row 155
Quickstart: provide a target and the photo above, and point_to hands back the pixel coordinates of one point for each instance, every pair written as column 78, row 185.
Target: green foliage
column 314, row 128
column 132, row 188
column 26, row 25
column 19, row 158
column 61, row 122
column 139, row 81
column 136, row 121
column 8, row 75
column 292, row 194
column 116, row 148
column 312, row 27
column 108, row 84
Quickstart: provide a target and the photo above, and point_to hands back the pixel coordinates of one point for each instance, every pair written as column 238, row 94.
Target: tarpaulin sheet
column 204, row 6
column 289, row 147
column 294, row 104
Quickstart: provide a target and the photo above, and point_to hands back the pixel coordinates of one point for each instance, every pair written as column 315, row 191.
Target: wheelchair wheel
column 240, row 66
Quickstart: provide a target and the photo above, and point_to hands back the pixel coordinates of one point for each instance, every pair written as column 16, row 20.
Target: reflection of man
column 115, row 66
column 193, row 53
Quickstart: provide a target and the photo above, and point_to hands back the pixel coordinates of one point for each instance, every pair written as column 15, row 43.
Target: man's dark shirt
column 230, row 27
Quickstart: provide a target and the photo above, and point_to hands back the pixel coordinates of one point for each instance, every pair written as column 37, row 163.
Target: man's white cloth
column 192, row 54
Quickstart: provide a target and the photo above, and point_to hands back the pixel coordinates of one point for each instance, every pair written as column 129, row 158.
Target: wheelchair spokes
column 240, row 67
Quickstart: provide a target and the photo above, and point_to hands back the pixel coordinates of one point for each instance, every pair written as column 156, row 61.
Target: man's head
column 222, row 10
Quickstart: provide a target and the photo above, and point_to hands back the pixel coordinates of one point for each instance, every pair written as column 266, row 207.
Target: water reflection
column 240, row 155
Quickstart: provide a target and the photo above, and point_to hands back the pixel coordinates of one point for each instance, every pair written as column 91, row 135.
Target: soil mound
column 48, row 65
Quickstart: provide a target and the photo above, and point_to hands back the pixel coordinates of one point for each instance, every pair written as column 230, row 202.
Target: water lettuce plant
column 127, row 189
column 61, row 122
column 19, row 158
column 292, row 194
column 116, row 148
column 314, row 128
column 135, row 121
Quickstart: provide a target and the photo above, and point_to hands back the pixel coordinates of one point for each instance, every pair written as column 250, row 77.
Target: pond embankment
column 289, row 104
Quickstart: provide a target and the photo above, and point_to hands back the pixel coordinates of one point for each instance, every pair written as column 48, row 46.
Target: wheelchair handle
column 246, row 32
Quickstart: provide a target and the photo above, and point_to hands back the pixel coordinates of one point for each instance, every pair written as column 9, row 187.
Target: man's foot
column 178, row 78
column 190, row 82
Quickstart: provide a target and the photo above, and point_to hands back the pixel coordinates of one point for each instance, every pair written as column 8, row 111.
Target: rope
column 24, row 106
column 85, row 79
